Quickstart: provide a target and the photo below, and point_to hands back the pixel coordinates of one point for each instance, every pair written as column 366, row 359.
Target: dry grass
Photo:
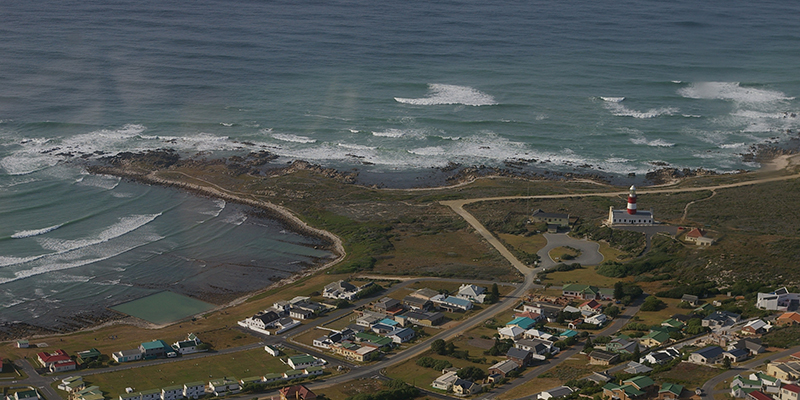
column 689, row 375
column 530, row 244
column 586, row 275
column 533, row 386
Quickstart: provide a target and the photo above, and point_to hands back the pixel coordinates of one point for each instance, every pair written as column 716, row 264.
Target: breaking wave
column 34, row 232
column 441, row 94
column 731, row 91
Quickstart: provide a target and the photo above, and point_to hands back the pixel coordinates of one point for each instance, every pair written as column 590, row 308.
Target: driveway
column 590, row 254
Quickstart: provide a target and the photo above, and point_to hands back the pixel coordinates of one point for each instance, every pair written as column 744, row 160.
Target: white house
column 554, row 393
column 510, row 332
column 194, row 390
column 445, row 382
column 340, row 290
column 597, row 319
column 475, row 294
column 779, row 300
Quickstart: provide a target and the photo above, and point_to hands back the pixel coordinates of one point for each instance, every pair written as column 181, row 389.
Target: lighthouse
column 632, row 200
column 631, row 215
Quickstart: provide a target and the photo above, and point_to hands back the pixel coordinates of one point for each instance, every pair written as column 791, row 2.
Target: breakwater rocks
column 666, row 175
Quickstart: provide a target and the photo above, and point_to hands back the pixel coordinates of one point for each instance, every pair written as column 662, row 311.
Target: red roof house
column 297, row 392
column 48, row 359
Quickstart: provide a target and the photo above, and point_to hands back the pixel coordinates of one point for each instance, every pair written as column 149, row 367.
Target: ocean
column 396, row 88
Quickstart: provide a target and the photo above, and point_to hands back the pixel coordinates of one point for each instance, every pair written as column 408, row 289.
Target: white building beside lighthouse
column 631, row 215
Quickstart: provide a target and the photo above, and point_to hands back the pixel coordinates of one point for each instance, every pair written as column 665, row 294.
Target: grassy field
column 689, row 375
column 530, row 387
column 528, row 244
column 585, row 275
column 239, row 365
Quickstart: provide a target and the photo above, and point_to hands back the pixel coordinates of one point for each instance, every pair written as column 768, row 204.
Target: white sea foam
column 428, row 151
column 740, row 145
column 441, row 94
column 612, row 99
column 293, row 138
column 237, row 219
column 618, row 109
column 34, row 232
column 355, row 146
column 651, row 143
column 100, row 181
column 124, row 226
column 731, row 91
column 226, row 124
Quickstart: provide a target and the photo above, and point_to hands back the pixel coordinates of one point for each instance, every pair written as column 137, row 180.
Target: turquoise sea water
column 384, row 88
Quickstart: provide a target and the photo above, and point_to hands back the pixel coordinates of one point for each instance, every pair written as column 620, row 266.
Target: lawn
column 238, row 365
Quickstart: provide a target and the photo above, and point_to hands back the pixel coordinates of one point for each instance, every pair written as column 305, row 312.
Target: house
column 48, row 359
column 445, row 382
column 369, row 318
column 673, row 323
column 223, row 386
column 555, row 393
column 194, row 390
column 592, row 306
column 293, row 374
column 401, row 335
column 670, row 391
column 693, row 300
column 708, row 355
column 313, row 371
column 87, row 356
column 451, row 303
column 698, row 237
column 130, row 396
column 510, row 332
column 425, row 294
column 272, row 350
column 660, row 357
column 634, row 367
column 622, row 345
column 464, row 387
column 537, row 334
column 779, row 300
column 388, row 305
column 475, row 294
column 272, row 377
column 752, row 345
column 789, row 392
column 786, row 372
column 741, row 386
column 262, row 320
column 758, row 395
column 655, row 338
column 547, row 310
column 420, row 318
column 61, row 366
column 503, row 368
column 185, row 347
column 597, row 319
column 25, row 395
column 719, row 319
column 416, row 303
column 155, row 349
column 303, row 361
column 300, row 313
column 736, row 355
column 622, row 392
column 150, row 394
column 769, row 384
column 377, row 341
column 519, row 356
column 600, row 357
column 536, row 346
column 756, row 327
column 557, row 219
column 172, row 392
column 127, row 355
column 23, row 344
column 297, row 392
column 72, row 384
column 788, row 318
column 356, row 352
column 340, row 290
column 585, row 292
column 91, row 393
column 643, row 383
column 599, row 378
column 523, row 322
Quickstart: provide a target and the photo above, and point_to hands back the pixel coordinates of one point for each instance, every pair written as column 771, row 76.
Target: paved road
column 590, row 251
column 708, row 387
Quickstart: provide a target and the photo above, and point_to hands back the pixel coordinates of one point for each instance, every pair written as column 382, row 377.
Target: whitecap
column 612, row 99
column 731, row 91
column 620, row 110
column 226, row 124
column 355, row 146
column 34, row 232
column 442, row 94
column 235, row 219
column 651, row 143
column 428, row 151
column 739, row 145
column 293, row 138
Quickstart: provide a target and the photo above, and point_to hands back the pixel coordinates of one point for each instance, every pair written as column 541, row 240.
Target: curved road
column 590, row 251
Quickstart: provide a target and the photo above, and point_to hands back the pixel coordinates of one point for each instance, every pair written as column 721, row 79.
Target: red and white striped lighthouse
column 632, row 200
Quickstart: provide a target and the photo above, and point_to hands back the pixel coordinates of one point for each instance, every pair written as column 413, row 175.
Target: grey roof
column 505, row 366
column 560, row 391
column 340, row 286
column 518, row 353
column 602, row 355
column 710, row 352
column 738, row 353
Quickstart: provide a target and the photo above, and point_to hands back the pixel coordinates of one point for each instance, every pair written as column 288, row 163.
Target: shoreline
column 770, row 163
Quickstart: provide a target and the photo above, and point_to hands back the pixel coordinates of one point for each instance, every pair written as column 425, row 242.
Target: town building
column 340, row 290
column 555, row 393
column 779, row 300
column 297, row 392
column 127, row 355
column 503, row 368
column 194, row 390
column 708, row 355
column 557, row 220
